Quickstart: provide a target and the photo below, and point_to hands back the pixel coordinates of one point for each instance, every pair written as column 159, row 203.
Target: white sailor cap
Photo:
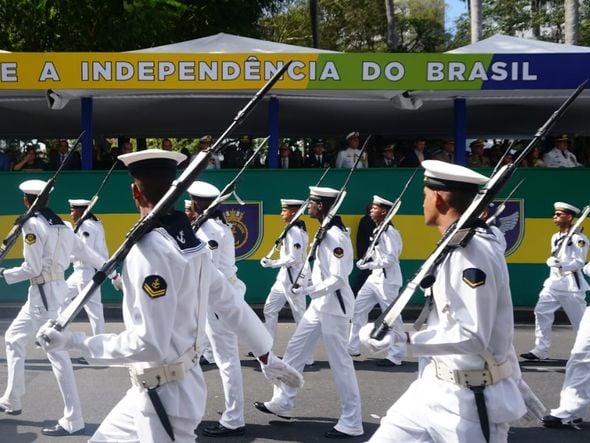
column 188, row 204
column 562, row 206
column 202, row 189
column 151, row 159
column 79, row 202
column 446, row 176
column 381, row 201
column 352, row 134
column 286, row 202
column 321, row 193
column 33, row 187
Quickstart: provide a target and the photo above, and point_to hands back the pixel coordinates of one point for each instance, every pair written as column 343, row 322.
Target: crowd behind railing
column 381, row 152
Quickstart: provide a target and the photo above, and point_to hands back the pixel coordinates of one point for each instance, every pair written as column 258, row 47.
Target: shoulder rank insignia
column 474, row 277
column 155, row 286
column 581, row 243
column 30, row 239
column 212, row 244
column 297, row 246
column 338, row 252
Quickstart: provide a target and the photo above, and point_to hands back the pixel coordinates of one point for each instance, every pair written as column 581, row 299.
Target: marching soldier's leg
column 94, row 311
column 365, row 300
column 574, row 305
column 272, row 306
column 544, row 316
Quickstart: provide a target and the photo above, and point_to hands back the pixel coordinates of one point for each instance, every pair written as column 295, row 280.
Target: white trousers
column 417, row 417
column 575, row 392
column 127, row 423
column 224, row 344
column 368, row 296
column 17, row 336
column 93, row 307
column 275, row 301
column 333, row 330
column 573, row 303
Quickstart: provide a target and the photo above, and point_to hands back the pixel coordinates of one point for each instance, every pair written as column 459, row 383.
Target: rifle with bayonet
column 460, row 233
column 229, row 189
column 500, row 208
column 87, row 214
column 379, row 230
column 14, row 233
column 321, row 232
column 164, row 206
column 299, row 213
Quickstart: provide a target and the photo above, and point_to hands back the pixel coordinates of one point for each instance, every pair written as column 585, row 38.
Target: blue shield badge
column 510, row 221
column 246, row 224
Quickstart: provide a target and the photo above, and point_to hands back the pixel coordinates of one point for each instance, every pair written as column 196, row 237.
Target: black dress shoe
column 10, row 411
column 386, row 363
column 58, row 431
column 218, row 430
column 335, row 433
column 204, row 362
column 82, row 361
column 529, row 356
column 260, row 406
column 549, row 421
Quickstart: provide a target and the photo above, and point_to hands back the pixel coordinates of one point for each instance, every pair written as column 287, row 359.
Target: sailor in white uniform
column 347, row 157
column 168, row 281
column 382, row 286
column 469, row 385
column 566, row 286
column 47, row 246
column 293, row 251
column 327, row 317
column 92, row 235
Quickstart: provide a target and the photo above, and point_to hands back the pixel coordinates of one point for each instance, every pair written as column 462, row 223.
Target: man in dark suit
column 317, row 158
column 386, row 160
column 74, row 162
column 417, row 155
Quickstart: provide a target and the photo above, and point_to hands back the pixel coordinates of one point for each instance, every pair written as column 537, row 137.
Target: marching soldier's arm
column 338, row 251
column 32, row 264
column 295, row 245
column 574, row 261
column 389, row 248
column 82, row 252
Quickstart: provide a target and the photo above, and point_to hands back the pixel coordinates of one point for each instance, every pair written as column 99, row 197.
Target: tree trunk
column 391, row 37
column 313, row 18
column 475, row 12
column 572, row 17
column 535, row 28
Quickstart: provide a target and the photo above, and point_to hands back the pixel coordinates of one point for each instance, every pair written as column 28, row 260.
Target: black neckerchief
column 51, row 217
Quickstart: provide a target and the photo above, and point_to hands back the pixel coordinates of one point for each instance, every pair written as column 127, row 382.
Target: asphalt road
column 317, row 407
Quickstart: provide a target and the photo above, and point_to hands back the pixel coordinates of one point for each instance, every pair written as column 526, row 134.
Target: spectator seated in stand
column 29, row 161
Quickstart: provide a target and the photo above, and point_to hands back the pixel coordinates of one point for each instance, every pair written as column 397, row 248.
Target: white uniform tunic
column 382, row 288
column 47, row 246
column 168, row 280
column 224, row 342
column 347, row 157
column 557, row 158
column 325, row 317
column 565, row 287
column 472, row 314
column 291, row 260
column 92, row 235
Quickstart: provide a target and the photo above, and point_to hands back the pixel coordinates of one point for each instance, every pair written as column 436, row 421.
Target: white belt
column 473, row 377
column 154, row 377
column 46, row 277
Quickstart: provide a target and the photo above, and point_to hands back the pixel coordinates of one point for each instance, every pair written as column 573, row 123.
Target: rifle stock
column 14, row 233
column 166, row 203
column 93, row 200
column 460, row 233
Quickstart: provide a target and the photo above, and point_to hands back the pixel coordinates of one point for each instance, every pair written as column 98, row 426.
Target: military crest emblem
column 510, row 221
column 246, row 225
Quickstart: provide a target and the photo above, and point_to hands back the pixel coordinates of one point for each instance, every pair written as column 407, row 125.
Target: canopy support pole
column 460, row 120
column 273, row 132
column 87, row 138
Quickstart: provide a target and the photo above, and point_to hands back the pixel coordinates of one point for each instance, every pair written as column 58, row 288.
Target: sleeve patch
column 155, row 286
column 581, row 243
column 338, row 252
column 297, row 246
column 212, row 244
column 30, row 239
column 474, row 277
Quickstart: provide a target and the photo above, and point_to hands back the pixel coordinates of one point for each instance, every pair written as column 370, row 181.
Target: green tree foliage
column 359, row 25
column 121, row 25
